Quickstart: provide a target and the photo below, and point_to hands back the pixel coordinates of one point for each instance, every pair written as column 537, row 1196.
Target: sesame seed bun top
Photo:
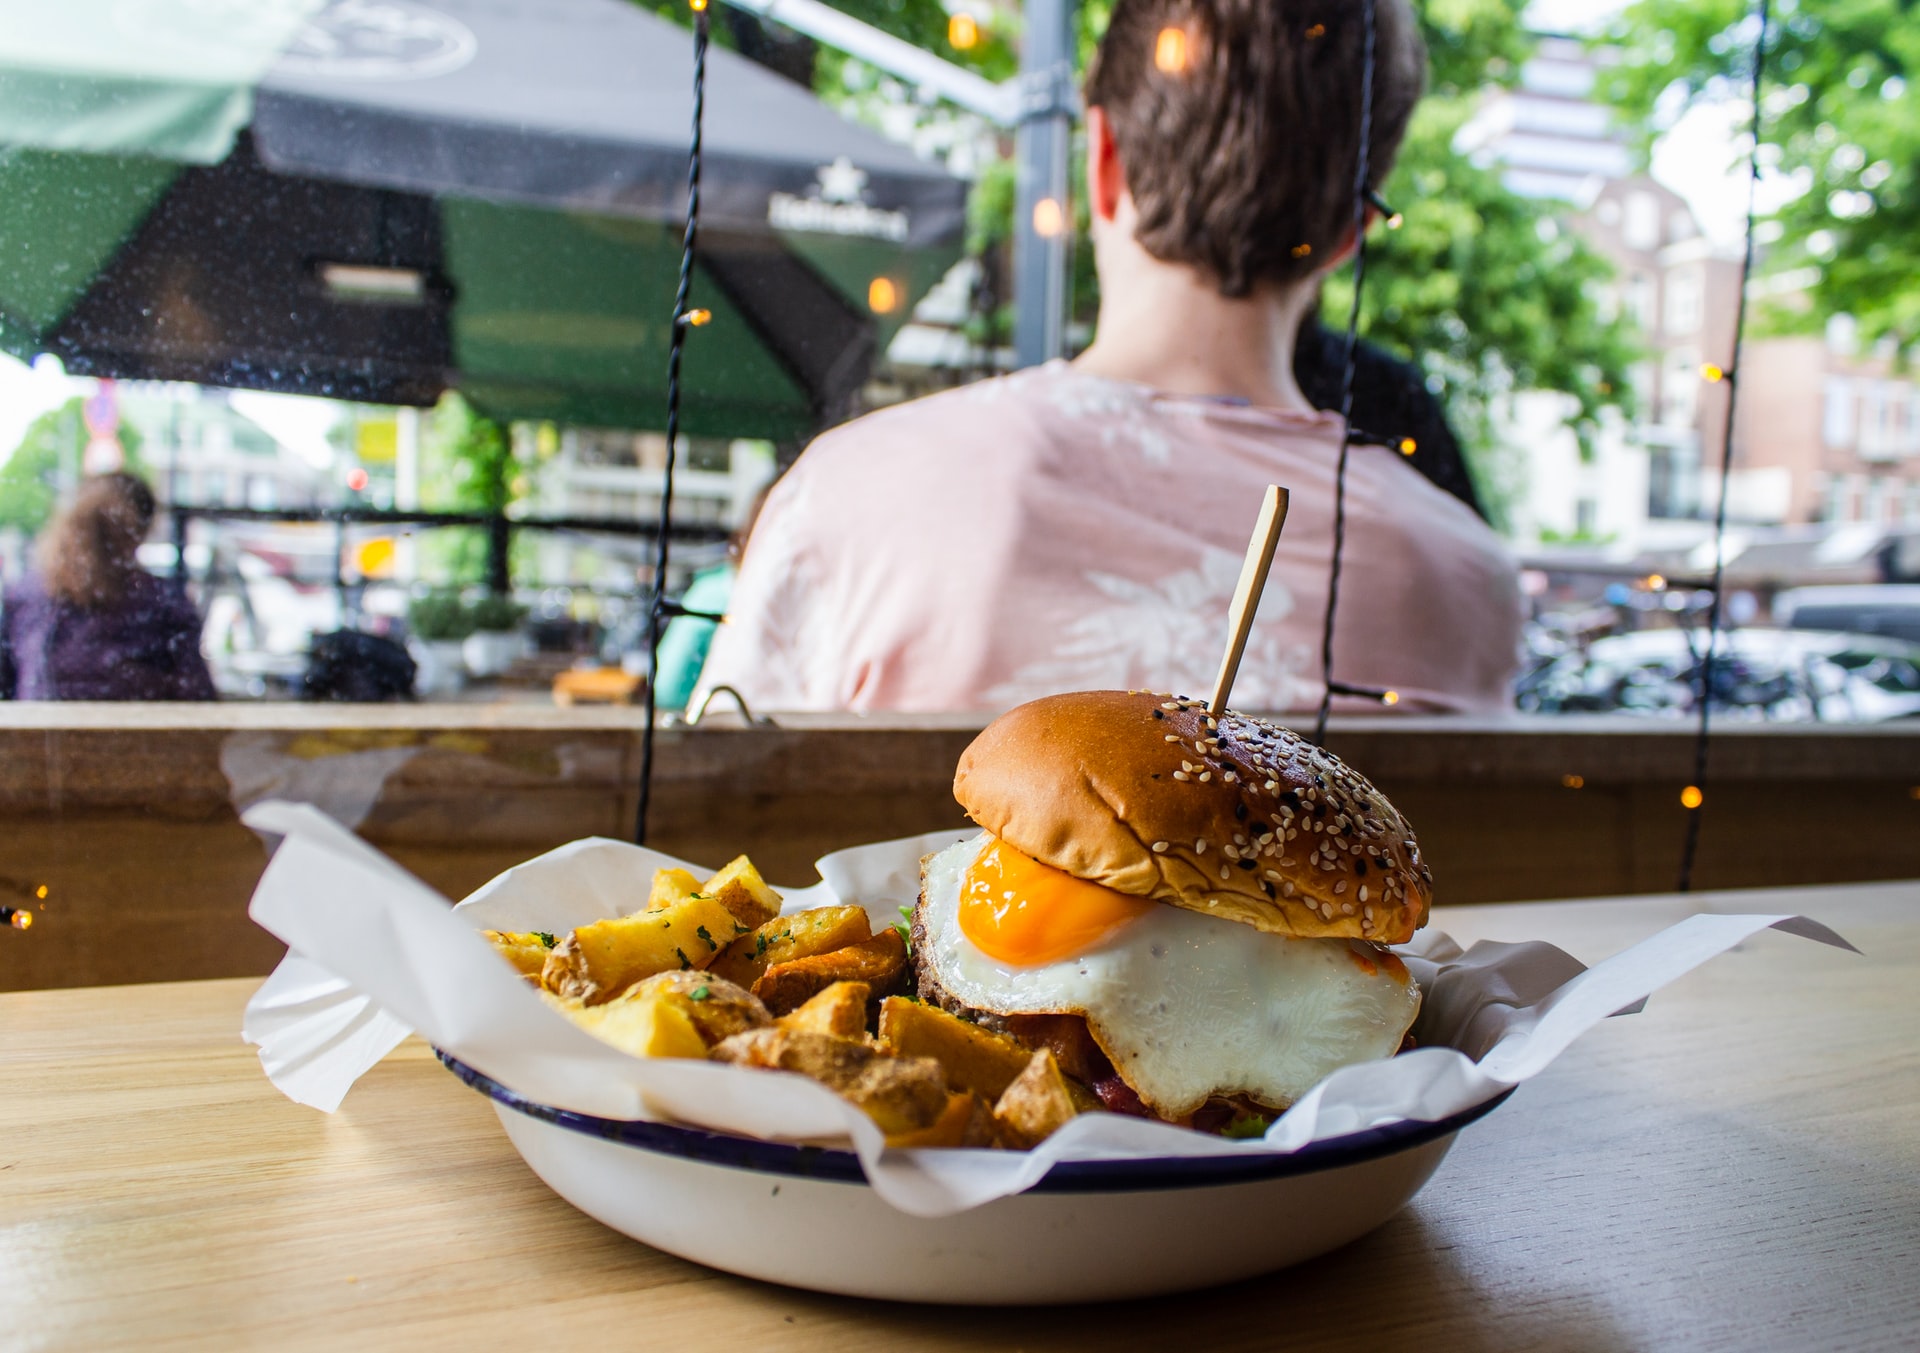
column 1238, row 818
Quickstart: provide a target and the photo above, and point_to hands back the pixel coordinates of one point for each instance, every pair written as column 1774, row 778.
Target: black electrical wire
column 1362, row 199
column 1696, row 801
column 657, row 606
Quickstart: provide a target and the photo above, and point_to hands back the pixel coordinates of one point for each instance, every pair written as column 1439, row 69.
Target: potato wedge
column 743, row 892
column 653, row 1025
column 785, row 938
column 717, row 1008
column 1039, row 1102
column 597, row 962
column 901, row 1094
column 878, row 962
column 966, row 1121
column 527, row 950
column 670, row 886
column 976, row 1059
column 840, row 1010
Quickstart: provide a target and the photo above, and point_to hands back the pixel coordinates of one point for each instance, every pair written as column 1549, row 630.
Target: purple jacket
column 146, row 648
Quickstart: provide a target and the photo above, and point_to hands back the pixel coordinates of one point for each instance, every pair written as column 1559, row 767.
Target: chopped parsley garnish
column 759, row 946
column 685, row 962
column 698, row 994
column 547, row 941
column 706, row 935
column 739, row 929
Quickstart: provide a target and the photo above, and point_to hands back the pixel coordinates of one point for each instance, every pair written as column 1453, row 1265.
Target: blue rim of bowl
column 1075, row 1176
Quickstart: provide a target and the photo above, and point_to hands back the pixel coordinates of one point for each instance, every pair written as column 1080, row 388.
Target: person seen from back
column 90, row 623
column 1082, row 524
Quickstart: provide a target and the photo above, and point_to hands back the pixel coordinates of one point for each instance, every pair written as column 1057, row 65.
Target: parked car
column 1889, row 609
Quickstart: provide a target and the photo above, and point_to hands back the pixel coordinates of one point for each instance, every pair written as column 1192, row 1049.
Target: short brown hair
column 1239, row 130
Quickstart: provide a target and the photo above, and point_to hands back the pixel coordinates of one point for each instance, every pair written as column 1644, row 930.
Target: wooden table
column 1733, row 1169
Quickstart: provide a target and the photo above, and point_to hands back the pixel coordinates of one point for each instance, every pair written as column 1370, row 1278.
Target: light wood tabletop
column 1735, row 1168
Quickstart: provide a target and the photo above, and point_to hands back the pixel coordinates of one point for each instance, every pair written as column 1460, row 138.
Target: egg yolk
column 1019, row 911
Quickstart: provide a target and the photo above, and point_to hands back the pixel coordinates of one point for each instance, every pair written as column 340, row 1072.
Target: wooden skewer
column 1246, row 593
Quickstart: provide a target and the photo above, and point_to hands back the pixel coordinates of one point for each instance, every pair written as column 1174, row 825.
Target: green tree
column 466, row 465
column 1837, row 112
column 48, row 460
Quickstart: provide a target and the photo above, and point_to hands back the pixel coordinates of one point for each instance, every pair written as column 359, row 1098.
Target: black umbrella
column 476, row 194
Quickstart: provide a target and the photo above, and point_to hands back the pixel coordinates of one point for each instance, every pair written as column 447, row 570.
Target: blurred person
column 90, row 623
column 1082, row 524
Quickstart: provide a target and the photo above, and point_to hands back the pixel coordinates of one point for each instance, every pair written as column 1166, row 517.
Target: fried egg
column 1185, row 1005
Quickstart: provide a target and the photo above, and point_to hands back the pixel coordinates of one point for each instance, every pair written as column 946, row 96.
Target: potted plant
column 439, row 623
column 496, row 639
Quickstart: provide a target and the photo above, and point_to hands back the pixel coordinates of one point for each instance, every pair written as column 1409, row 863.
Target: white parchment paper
column 377, row 954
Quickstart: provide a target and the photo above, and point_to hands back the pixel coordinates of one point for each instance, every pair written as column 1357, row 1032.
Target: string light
column 685, row 318
column 1712, row 374
column 962, row 32
column 1170, row 51
column 1574, row 781
column 1302, row 250
column 1653, row 582
column 1692, row 797
column 1049, row 220
column 41, row 892
column 17, row 917
column 1362, row 178
column 1319, row 30
column 1390, row 698
column 1408, row 446
column 882, row 295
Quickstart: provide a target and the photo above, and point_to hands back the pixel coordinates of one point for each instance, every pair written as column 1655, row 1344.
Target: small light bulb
column 882, row 295
column 1574, row 781
column 1170, row 51
column 1302, row 250
column 1049, row 220
column 1712, row 374
column 1408, row 446
column 1655, row 583
column 1691, row 797
column 1319, row 30
column 1390, row 697
column 41, row 891
column 1395, row 221
column 697, row 318
column 19, row 920
column 697, row 6
column 963, row 32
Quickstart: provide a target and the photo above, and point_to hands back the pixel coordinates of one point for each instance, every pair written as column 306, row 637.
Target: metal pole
column 1043, row 219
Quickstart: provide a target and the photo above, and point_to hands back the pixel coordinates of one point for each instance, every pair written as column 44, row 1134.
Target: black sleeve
column 1390, row 402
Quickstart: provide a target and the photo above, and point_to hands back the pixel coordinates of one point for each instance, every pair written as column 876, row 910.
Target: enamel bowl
column 1088, row 1231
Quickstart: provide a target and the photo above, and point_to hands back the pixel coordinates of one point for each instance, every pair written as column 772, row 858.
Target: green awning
column 138, row 77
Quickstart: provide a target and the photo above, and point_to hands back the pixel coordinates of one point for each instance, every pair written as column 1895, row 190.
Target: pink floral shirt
column 1053, row 531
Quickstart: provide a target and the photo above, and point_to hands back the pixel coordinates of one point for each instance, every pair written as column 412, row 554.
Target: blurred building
column 203, row 452
column 1636, row 485
column 1833, row 432
column 603, row 472
column 1826, row 436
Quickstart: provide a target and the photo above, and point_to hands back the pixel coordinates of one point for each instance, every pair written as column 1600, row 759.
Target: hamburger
column 1191, row 912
